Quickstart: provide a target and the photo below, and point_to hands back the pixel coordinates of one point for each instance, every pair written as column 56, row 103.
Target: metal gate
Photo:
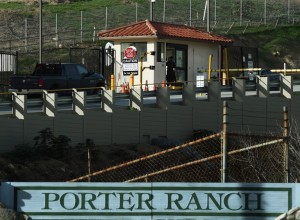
column 96, row 59
column 8, row 67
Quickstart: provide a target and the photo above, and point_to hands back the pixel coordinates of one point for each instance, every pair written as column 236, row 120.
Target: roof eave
column 128, row 37
column 195, row 39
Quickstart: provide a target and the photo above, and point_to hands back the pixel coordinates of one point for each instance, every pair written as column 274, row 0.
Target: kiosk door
column 179, row 52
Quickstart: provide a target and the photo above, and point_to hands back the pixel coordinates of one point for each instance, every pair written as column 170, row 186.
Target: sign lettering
column 151, row 199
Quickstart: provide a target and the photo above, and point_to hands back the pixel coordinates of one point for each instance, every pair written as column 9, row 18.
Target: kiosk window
column 160, row 52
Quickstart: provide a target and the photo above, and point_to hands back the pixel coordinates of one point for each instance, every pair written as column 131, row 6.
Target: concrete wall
column 177, row 121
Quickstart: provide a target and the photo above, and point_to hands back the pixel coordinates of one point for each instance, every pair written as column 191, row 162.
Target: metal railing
column 122, row 99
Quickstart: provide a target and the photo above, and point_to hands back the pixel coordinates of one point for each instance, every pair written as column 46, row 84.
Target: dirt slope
column 73, row 164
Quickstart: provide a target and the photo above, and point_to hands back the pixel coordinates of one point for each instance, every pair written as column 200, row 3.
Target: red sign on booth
column 130, row 52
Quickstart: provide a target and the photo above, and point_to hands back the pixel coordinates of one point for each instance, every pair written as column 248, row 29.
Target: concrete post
column 107, row 100
column 188, row 94
column 262, row 86
column 136, row 98
column 79, row 101
column 19, row 105
column 49, row 103
column 214, row 91
column 238, row 89
column 286, row 86
column 163, row 97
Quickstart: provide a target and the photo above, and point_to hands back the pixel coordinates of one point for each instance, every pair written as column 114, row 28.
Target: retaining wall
column 140, row 123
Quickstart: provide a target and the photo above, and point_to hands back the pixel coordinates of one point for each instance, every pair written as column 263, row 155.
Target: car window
column 70, row 69
column 47, row 70
column 81, row 70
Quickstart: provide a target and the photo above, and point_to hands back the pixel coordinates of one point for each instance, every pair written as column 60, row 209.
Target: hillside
column 284, row 40
column 17, row 166
column 278, row 34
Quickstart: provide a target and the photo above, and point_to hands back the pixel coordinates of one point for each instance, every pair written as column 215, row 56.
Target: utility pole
column 81, row 25
column 208, row 15
column 26, row 26
column 151, row 9
column 265, row 13
column 41, row 31
column 289, row 8
column 164, row 14
column 215, row 11
column 190, row 12
column 241, row 12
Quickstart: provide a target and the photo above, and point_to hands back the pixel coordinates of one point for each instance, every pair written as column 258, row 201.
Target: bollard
column 131, row 80
column 112, row 82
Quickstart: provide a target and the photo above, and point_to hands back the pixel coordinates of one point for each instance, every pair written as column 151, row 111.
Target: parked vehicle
column 272, row 76
column 265, row 72
column 274, row 79
column 57, row 77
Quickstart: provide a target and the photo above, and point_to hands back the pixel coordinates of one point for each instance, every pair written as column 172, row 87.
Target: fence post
column 263, row 86
column 90, row 145
column 286, row 146
column 49, row 103
column 89, row 164
column 224, row 143
column 78, row 101
column 19, row 105
column 238, row 89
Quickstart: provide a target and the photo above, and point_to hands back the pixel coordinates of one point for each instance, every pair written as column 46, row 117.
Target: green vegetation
column 267, row 38
column 81, row 6
column 45, row 144
column 12, row 6
column 282, row 39
column 77, row 5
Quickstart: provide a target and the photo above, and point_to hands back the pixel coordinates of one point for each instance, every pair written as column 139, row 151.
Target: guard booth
column 154, row 42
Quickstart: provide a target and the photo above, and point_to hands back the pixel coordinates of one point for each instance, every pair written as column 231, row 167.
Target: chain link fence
column 227, row 156
column 20, row 30
column 61, row 31
column 251, row 158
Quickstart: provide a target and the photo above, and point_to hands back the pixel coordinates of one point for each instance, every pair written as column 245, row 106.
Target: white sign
column 130, row 66
column 150, row 200
column 201, row 79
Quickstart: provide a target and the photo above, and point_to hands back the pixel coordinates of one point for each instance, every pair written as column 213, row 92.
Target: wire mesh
column 20, row 30
column 255, row 158
column 251, row 158
column 173, row 164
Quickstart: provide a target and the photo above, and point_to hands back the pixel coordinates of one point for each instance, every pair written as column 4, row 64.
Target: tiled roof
column 162, row 30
